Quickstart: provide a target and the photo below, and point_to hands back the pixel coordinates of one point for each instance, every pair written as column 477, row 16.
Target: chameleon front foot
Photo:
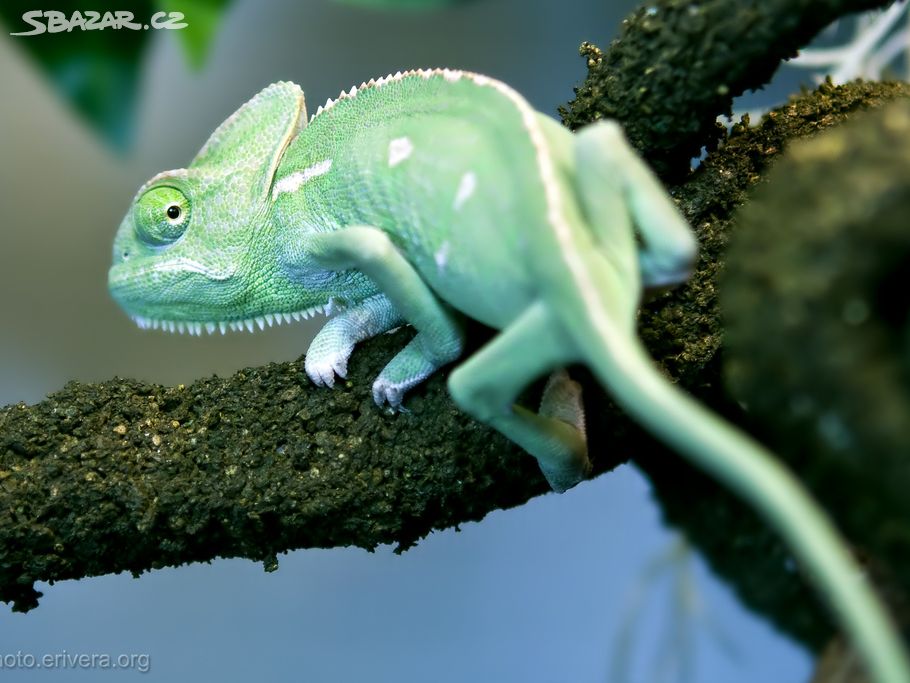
column 332, row 347
column 405, row 296
column 322, row 366
column 411, row 366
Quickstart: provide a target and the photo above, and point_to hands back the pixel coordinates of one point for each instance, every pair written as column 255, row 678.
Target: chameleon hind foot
column 487, row 384
column 562, row 400
column 618, row 189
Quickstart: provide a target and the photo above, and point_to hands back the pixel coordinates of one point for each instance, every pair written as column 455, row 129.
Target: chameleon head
column 196, row 248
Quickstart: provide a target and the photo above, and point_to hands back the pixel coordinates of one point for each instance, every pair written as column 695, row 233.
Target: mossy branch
column 678, row 64
column 101, row 478
column 121, row 475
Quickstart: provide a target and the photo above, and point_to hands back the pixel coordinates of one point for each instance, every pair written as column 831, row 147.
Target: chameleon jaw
column 249, row 324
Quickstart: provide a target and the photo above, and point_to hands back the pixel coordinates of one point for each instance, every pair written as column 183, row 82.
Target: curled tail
column 623, row 366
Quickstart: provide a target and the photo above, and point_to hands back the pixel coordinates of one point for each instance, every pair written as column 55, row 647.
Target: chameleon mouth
column 248, row 324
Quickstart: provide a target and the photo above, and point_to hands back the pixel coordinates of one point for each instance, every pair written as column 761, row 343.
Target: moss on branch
column 122, row 475
column 102, row 478
column 678, row 64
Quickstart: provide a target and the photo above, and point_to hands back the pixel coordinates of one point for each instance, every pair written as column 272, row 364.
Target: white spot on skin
column 293, row 182
column 466, row 188
column 399, row 150
column 547, row 172
column 442, row 256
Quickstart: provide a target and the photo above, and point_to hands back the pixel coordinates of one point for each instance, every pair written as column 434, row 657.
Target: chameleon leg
column 330, row 349
column 611, row 176
column 439, row 339
column 487, row 384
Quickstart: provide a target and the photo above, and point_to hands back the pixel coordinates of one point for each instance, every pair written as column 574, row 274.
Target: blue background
column 561, row 589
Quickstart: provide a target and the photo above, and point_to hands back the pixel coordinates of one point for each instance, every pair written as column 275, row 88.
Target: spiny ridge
column 449, row 74
column 248, row 324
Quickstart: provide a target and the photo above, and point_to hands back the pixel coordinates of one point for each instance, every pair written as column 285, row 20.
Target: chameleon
column 434, row 195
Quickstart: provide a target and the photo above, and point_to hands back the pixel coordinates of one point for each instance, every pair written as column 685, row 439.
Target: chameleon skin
column 435, row 194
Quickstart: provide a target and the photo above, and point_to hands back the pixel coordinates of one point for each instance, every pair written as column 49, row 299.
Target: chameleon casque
column 433, row 194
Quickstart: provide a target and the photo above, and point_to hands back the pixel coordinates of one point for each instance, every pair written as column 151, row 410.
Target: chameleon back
column 442, row 162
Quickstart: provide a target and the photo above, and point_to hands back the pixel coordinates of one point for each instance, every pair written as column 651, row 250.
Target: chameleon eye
column 162, row 215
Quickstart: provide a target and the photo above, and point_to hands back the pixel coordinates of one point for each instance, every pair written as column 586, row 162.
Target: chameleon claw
column 388, row 394
column 325, row 381
column 322, row 371
column 320, row 376
column 340, row 368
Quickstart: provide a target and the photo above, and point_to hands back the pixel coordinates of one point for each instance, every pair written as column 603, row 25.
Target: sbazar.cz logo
column 52, row 21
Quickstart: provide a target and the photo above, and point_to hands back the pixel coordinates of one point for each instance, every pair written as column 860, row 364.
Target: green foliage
column 203, row 17
column 97, row 71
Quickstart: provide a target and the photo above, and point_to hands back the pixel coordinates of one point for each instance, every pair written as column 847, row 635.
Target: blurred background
column 85, row 118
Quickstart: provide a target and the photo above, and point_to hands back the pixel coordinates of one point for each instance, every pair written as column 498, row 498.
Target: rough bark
column 736, row 545
column 127, row 476
column 678, row 64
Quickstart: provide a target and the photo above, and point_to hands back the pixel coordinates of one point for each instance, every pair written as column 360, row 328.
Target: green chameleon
column 433, row 194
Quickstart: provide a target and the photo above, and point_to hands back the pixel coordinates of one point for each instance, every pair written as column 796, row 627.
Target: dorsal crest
column 448, row 74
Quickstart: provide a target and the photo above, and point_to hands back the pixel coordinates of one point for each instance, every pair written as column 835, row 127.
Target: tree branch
column 677, row 65
column 127, row 476
column 122, row 475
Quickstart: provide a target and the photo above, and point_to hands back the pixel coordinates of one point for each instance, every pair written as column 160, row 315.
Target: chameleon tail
column 624, row 367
